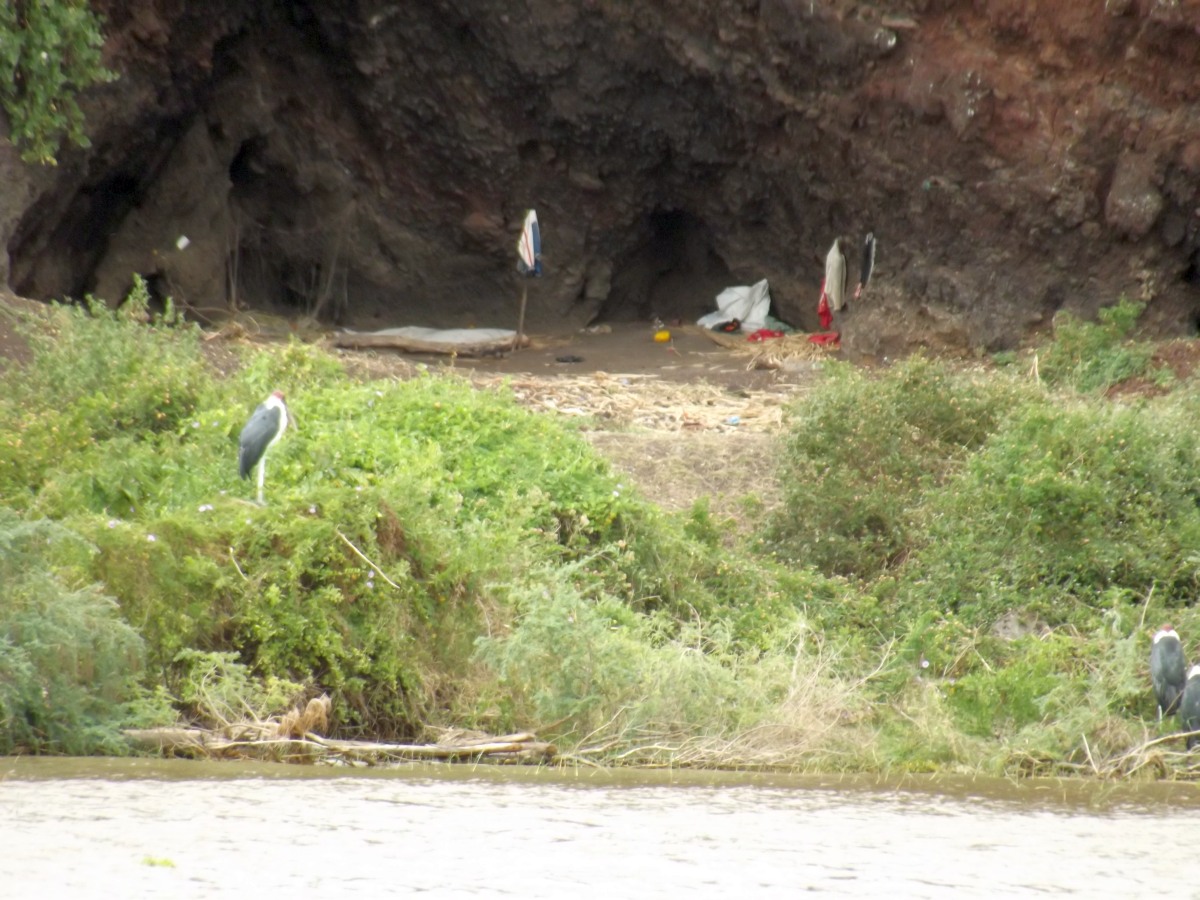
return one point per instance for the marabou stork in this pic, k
(1168, 670)
(265, 426)
(1189, 707)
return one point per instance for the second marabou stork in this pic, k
(265, 426)
(1168, 670)
(1189, 707)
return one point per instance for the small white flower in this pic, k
(312, 510)
(205, 507)
(113, 523)
(151, 538)
(195, 424)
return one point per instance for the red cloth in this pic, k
(823, 311)
(764, 334)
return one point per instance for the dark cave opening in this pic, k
(58, 245)
(61, 263)
(671, 272)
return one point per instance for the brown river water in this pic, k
(101, 828)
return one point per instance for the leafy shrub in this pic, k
(1094, 356)
(96, 375)
(1067, 501)
(575, 665)
(1009, 693)
(69, 664)
(863, 450)
(218, 690)
(562, 662)
(49, 51)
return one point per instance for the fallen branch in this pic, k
(312, 747)
(363, 557)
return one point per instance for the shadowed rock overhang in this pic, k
(370, 163)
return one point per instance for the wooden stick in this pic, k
(521, 315)
(363, 557)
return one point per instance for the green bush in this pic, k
(69, 665)
(863, 450)
(434, 554)
(49, 51)
(1069, 500)
(576, 665)
(217, 690)
(96, 376)
(1010, 691)
(399, 513)
(1094, 356)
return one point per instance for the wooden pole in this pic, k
(521, 315)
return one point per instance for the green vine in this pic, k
(49, 51)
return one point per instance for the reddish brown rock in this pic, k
(372, 163)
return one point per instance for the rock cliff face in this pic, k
(370, 162)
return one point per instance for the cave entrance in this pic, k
(671, 272)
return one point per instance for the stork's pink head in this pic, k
(278, 394)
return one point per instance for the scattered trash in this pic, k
(728, 327)
(764, 334)
(734, 420)
(569, 358)
(662, 336)
(596, 329)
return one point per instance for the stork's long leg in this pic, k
(262, 476)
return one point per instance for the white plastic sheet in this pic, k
(749, 305)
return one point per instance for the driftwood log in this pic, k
(199, 742)
(412, 340)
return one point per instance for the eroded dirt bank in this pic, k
(370, 163)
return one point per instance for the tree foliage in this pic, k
(49, 51)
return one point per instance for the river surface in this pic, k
(182, 829)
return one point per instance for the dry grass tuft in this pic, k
(313, 719)
(817, 725)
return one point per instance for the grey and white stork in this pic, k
(1168, 670)
(265, 426)
(1189, 707)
